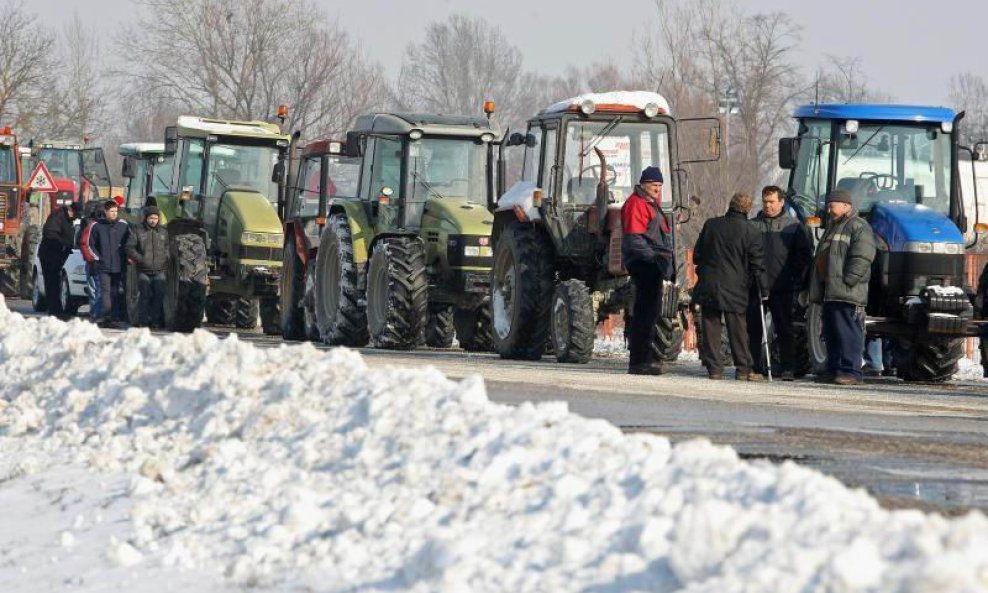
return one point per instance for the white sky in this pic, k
(909, 48)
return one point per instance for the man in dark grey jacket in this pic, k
(788, 252)
(147, 249)
(841, 272)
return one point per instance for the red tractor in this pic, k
(12, 212)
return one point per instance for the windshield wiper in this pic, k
(221, 180)
(870, 138)
(427, 185)
(600, 135)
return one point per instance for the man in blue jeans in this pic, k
(841, 274)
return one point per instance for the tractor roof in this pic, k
(428, 124)
(141, 148)
(59, 144)
(200, 127)
(612, 102)
(876, 112)
(323, 146)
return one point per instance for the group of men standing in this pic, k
(108, 244)
(747, 267)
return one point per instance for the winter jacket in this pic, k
(58, 234)
(646, 235)
(728, 258)
(842, 266)
(107, 241)
(788, 252)
(148, 247)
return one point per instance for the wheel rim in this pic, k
(64, 297)
(503, 296)
(814, 330)
(560, 325)
(377, 293)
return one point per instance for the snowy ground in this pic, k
(195, 463)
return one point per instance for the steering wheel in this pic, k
(882, 181)
(595, 173)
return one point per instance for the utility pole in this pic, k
(728, 105)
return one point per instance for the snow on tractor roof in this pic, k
(613, 101)
(139, 148)
(222, 127)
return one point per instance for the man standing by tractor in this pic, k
(841, 273)
(107, 242)
(982, 308)
(57, 241)
(788, 252)
(147, 249)
(646, 248)
(728, 258)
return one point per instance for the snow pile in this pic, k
(290, 468)
(969, 370)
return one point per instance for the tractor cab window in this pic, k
(549, 162)
(627, 148)
(385, 168)
(135, 185)
(905, 164)
(241, 167)
(94, 167)
(448, 168)
(62, 163)
(192, 166)
(162, 174)
(530, 166)
(810, 176)
(343, 175)
(8, 165)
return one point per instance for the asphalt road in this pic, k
(914, 446)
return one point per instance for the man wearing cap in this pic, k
(57, 241)
(841, 272)
(728, 258)
(147, 249)
(646, 248)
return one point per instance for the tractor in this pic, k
(221, 210)
(557, 233)
(900, 164)
(12, 214)
(388, 237)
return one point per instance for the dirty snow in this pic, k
(134, 462)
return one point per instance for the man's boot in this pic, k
(650, 368)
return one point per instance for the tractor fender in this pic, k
(361, 231)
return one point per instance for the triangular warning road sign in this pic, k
(41, 180)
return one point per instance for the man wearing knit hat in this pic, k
(147, 249)
(840, 276)
(646, 249)
(728, 258)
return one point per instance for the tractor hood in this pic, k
(899, 224)
(463, 216)
(253, 212)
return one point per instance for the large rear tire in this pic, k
(572, 328)
(474, 328)
(221, 310)
(292, 317)
(439, 327)
(521, 292)
(928, 362)
(246, 314)
(340, 301)
(133, 297)
(397, 293)
(186, 283)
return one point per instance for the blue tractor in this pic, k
(900, 164)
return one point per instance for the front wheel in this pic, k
(185, 283)
(439, 327)
(933, 361)
(572, 322)
(521, 293)
(397, 293)
(340, 303)
(817, 346)
(247, 312)
(668, 341)
(133, 297)
(474, 328)
(292, 318)
(37, 299)
(270, 315)
(70, 305)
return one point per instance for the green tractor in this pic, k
(387, 236)
(221, 207)
(558, 267)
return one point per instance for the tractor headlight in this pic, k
(266, 239)
(477, 251)
(948, 248)
(919, 247)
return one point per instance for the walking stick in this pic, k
(768, 354)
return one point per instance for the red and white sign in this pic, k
(41, 180)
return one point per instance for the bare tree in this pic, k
(969, 92)
(26, 63)
(843, 80)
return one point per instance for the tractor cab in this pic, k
(79, 173)
(12, 212)
(147, 171)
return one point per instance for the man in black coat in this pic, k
(57, 241)
(107, 242)
(728, 258)
(788, 251)
(147, 249)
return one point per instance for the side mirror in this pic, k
(278, 172)
(981, 151)
(516, 139)
(353, 144)
(531, 141)
(171, 140)
(128, 167)
(788, 152)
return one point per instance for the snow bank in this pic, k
(294, 469)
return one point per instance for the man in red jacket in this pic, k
(646, 248)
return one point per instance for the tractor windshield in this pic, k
(448, 168)
(627, 147)
(62, 163)
(8, 165)
(895, 163)
(242, 167)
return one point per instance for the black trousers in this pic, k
(111, 284)
(779, 304)
(51, 267)
(648, 287)
(151, 288)
(843, 330)
(737, 335)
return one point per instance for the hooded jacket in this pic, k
(842, 266)
(728, 258)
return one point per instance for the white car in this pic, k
(73, 291)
